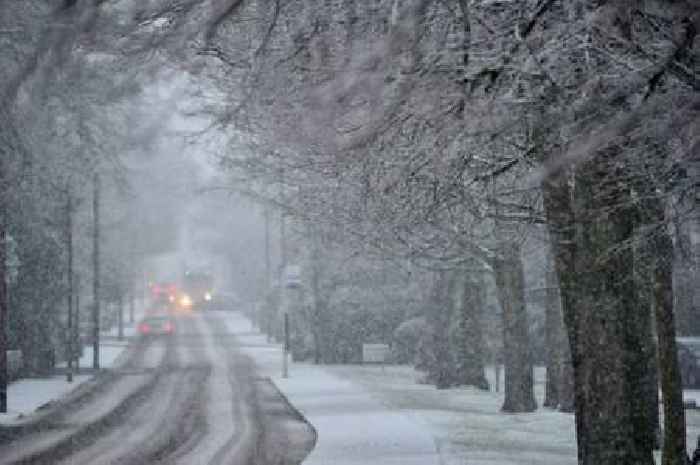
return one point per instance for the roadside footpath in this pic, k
(382, 415)
(375, 415)
(353, 426)
(28, 395)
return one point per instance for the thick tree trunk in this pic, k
(559, 389)
(599, 303)
(318, 323)
(510, 281)
(567, 392)
(561, 221)
(440, 372)
(648, 395)
(674, 450)
(642, 368)
(470, 363)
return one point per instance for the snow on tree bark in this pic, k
(469, 352)
(510, 281)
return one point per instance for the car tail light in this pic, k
(144, 328)
(169, 327)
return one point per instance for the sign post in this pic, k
(375, 353)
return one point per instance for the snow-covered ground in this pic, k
(24, 396)
(354, 427)
(27, 395)
(382, 415)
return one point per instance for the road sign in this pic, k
(375, 353)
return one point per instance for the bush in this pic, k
(407, 340)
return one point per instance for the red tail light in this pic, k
(169, 327)
(144, 328)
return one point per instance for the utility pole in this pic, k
(262, 319)
(96, 273)
(69, 239)
(267, 248)
(285, 351)
(76, 324)
(283, 247)
(132, 304)
(283, 287)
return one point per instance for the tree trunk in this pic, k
(566, 380)
(510, 281)
(642, 366)
(674, 450)
(470, 363)
(648, 403)
(3, 315)
(559, 389)
(69, 272)
(318, 313)
(599, 303)
(440, 372)
(554, 326)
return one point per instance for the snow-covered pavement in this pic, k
(353, 426)
(27, 395)
(370, 414)
(377, 415)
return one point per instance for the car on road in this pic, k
(156, 325)
(689, 361)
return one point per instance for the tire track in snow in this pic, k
(227, 421)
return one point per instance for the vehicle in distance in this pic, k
(156, 325)
(198, 289)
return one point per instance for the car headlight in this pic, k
(207, 296)
(185, 301)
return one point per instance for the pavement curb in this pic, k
(296, 413)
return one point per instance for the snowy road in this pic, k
(189, 399)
